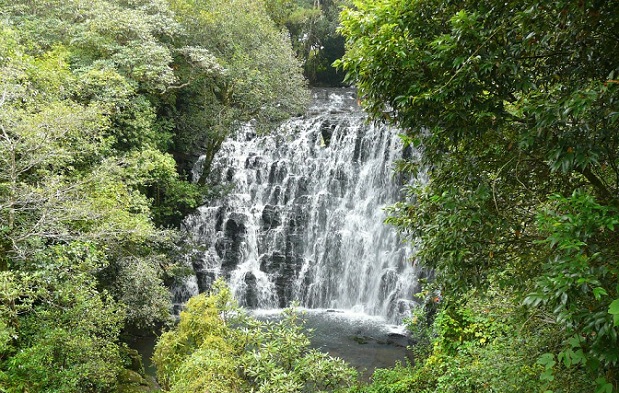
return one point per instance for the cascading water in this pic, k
(303, 219)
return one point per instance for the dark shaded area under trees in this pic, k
(312, 26)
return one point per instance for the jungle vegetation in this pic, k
(106, 104)
(102, 105)
(515, 106)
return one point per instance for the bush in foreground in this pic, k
(217, 347)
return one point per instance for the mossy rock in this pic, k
(360, 339)
(134, 360)
(131, 382)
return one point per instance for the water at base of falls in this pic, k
(303, 220)
(365, 342)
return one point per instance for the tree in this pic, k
(233, 67)
(94, 95)
(312, 26)
(515, 108)
(68, 216)
(67, 336)
(217, 347)
(122, 62)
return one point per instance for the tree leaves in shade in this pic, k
(515, 108)
(67, 217)
(233, 67)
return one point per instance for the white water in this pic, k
(304, 218)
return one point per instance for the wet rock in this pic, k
(326, 131)
(388, 282)
(278, 172)
(271, 217)
(205, 279)
(362, 339)
(357, 150)
(219, 222)
(298, 218)
(282, 268)
(397, 339)
(251, 297)
(275, 196)
(302, 190)
(229, 247)
(130, 381)
(230, 174)
(235, 226)
(134, 360)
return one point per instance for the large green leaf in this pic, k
(614, 310)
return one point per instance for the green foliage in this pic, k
(204, 323)
(312, 26)
(483, 344)
(66, 337)
(108, 41)
(515, 108)
(217, 347)
(95, 99)
(277, 358)
(233, 66)
(576, 280)
(68, 214)
(137, 285)
(613, 309)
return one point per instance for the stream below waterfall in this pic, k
(303, 222)
(365, 342)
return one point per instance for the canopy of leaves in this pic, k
(515, 106)
(312, 26)
(90, 93)
(232, 66)
(67, 216)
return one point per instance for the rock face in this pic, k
(304, 218)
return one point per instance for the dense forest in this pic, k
(105, 105)
(515, 105)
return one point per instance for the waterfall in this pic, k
(303, 216)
